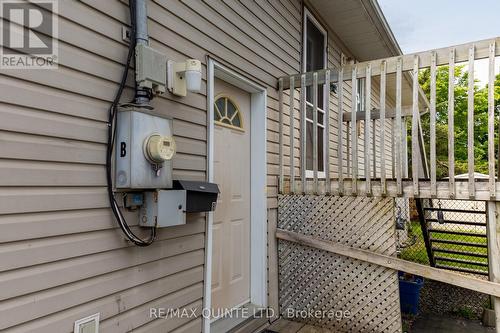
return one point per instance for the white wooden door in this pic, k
(231, 223)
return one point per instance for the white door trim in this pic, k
(258, 173)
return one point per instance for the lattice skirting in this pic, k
(349, 295)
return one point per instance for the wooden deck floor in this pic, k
(288, 326)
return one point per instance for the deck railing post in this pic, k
(491, 120)
(399, 130)
(354, 132)
(280, 134)
(470, 123)
(415, 150)
(303, 136)
(451, 123)
(326, 130)
(292, 137)
(432, 117)
(383, 84)
(368, 106)
(340, 147)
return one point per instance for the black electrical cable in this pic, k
(111, 139)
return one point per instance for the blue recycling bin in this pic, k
(409, 293)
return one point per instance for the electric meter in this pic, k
(159, 148)
(144, 151)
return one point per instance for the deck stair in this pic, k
(457, 241)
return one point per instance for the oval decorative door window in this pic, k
(227, 113)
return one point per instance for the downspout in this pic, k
(141, 38)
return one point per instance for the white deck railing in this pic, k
(390, 178)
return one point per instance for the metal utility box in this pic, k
(151, 68)
(200, 196)
(133, 170)
(163, 208)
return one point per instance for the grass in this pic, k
(418, 253)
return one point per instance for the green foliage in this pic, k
(460, 119)
(465, 312)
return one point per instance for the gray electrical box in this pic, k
(151, 68)
(133, 169)
(163, 208)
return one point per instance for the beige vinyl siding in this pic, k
(62, 256)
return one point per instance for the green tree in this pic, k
(460, 118)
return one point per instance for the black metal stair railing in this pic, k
(455, 236)
(425, 231)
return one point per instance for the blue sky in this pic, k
(421, 25)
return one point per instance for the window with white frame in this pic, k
(315, 58)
